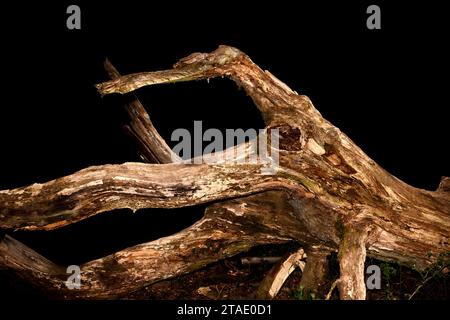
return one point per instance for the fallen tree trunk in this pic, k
(325, 193)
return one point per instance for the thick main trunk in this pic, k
(330, 194)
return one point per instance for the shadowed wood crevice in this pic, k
(331, 195)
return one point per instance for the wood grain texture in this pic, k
(335, 197)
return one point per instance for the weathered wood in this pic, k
(223, 232)
(338, 198)
(276, 277)
(409, 221)
(152, 147)
(352, 254)
(131, 185)
(315, 271)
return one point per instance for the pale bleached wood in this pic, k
(277, 276)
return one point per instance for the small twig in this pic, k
(335, 283)
(219, 292)
(259, 260)
(425, 281)
(274, 280)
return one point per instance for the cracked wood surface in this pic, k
(331, 186)
(221, 233)
(130, 185)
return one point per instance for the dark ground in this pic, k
(229, 279)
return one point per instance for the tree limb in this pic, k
(153, 148)
(131, 185)
(222, 233)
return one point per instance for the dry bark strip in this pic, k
(334, 196)
(274, 280)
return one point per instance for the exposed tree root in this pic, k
(316, 271)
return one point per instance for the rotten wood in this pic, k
(153, 148)
(315, 271)
(276, 277)
(221, 233)
(335, 197)
(131, 185)
(352, 255)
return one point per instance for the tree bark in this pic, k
(275, 278)
(326, 193)
(315, 272)
(352, 254)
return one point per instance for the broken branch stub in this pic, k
(276, 276)
(325, 193)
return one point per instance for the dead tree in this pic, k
(326, 194)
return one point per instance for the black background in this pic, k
(386, 89)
